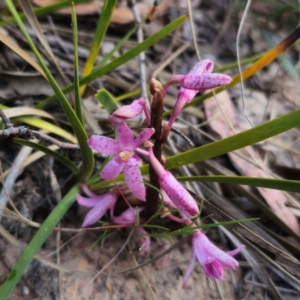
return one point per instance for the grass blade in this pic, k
(76, 66)
(277, 184)
(104, 20)
(62, 159)
(107, 100)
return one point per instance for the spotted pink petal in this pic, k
(126, 137)
(202, 67)
(113, 168)
(179, 195)
(167, 199)
(143, 137)
(128, 111)
(204, 81)
(104, 145)
(133, 177)
(184, 96)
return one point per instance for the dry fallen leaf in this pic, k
(276, 199)
(121, 15)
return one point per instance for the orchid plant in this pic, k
(124, 150)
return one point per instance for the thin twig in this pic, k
(5, 120)
(24, 131)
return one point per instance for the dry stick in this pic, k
(152, 195)
(12, 176)
(24, 131)
(141, 56)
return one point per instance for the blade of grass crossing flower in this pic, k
(107, 100)
(76, 68)
(63, 159)
(258, 65)
(36, 243)
(277, 184)
(100, 71)
(46, 9)
(104, 20)
(237, 141)
(86, 152)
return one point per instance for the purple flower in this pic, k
(210, 257)
(123, 156)
(100, 204)
(198, 79)
(174, 190)
(128, 111)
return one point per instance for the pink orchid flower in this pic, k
(174, 190)
(129, 217)
(123, 156)
(100, 204)
(210, 257)
(198, 79)
(129, 111)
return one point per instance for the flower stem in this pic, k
(152, 195)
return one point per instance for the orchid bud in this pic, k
(175, 191)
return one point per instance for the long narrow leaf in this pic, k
(277, 184)
(237, 141)
(107, 11)
(36, 243)
(86, 152)
(76, 67)
(98, 72)
(63, 159)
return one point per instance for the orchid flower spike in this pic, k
(129, 111)
(123, 156)
(175, 191)
(210, 257)
(198, 79)
(100, 204)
